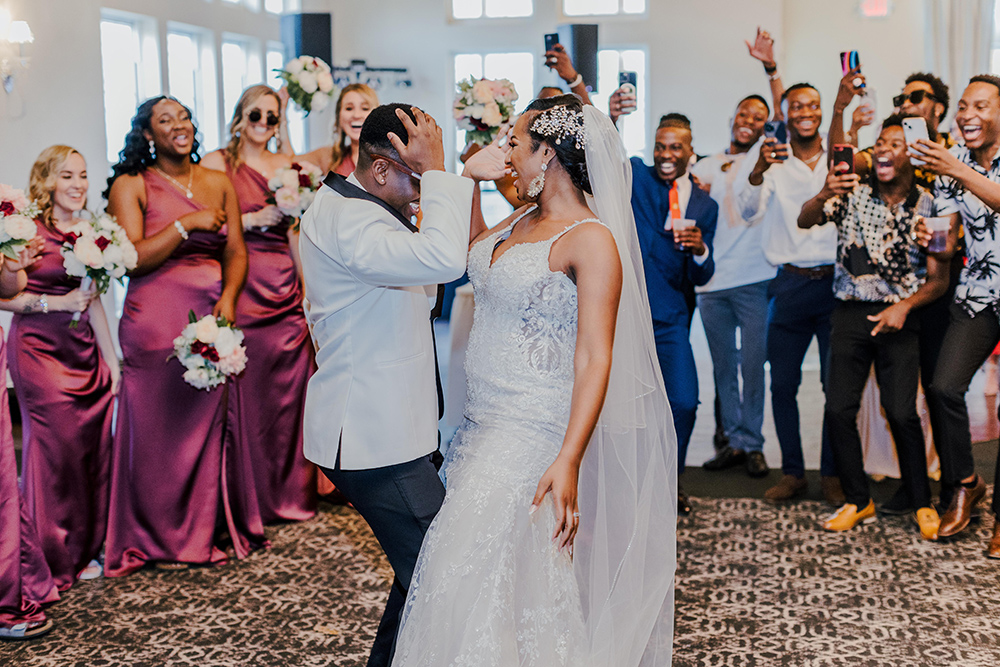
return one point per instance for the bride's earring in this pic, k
(538, 182)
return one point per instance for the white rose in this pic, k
(492, 115)
(130, 258)
(225, 342)
(475, 111)
(118, 271)
(113, 255)
(294, 66)
(20, 227)
(107, 222)
(197, 378)
(325, 81)
(307, 82)
(190, 332)
(206, 330)
(482, 92)
(290, 179)
(320, 101)
(74, 267)
(88, 253)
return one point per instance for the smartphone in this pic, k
(776, 129)
(626, 82)
(913, 129)
(843, 158)
(849, 60)
(551, 39)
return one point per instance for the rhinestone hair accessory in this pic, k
(561, 123)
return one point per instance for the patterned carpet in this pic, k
(757, 585)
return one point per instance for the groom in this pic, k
(372, 406)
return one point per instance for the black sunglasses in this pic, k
(917, 96)
(255, 116)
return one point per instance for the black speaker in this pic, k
(308, 35)
(580, 40)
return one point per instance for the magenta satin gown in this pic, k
(175, 476)
(280, 360)
(64, 390)
(25, 580)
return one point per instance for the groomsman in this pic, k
(675, 222)
(372, 406)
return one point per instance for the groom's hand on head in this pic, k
(424, 151)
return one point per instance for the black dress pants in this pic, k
(897, 366)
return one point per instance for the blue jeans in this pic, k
(722, 312)
(800, 309)
(680, 377)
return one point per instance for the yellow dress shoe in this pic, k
(849, 516)
(929, 521)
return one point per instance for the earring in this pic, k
(538, 182)
(152, 148)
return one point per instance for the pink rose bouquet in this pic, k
(97, 251)
(211, 350)
(482, 106)
(17, 220)
(295, 188)
(309, 81)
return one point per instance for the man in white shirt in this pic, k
(372, 406)
(736, 296)
(782, 180)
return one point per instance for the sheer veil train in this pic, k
(625, 553)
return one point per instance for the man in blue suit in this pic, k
(675, 221)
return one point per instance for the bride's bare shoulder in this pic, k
(489, 231)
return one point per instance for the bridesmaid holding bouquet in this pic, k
(65, 378)
(273, 386)
(175, 476)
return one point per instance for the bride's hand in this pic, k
(561, 479)
(489, 163)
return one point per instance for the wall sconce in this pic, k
(20, 34)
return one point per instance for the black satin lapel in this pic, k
(341, 185)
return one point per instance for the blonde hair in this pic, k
(42, 182)
(340, 149)
(236, 125)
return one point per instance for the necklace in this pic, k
(185, 188)
(813, 159)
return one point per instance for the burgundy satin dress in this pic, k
(64, 390)
(174, 476)
(272, 389)
(25, 580)
(346, 166)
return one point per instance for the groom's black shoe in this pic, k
(726, 458)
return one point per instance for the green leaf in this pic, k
(192, 318)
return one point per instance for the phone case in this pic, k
(776, 129)
(849, 60)
(551, 39)
(913, 129)
(844, 154)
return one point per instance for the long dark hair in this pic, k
(135, 157)
(573, 159)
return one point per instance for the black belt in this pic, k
(813, 272)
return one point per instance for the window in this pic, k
(274, 6)
(995, 51)
(520, 69)
(241, 67)
(191, 79)
(130, 66)
(594, 7)
(275, 60)
(609, 63)
(475, 9)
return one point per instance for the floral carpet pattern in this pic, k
(756, 585)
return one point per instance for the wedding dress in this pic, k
(491, 588)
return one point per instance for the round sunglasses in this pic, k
(255, 116)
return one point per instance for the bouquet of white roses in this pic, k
(482, 106)
(295, 188)
(211, 350)
(97, 250)
(309, 81)
(17, 220)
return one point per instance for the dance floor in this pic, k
(756, 585)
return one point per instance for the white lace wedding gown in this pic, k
(490, 587)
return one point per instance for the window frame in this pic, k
(483, 16)
(207, 109)
(619, 14)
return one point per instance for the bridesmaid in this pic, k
(272, 388)
(26, 583)
(65, 379)
(174, 478)
(354, 104)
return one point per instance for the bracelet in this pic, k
(576, 82)
(773, 76)
(180, 229)
(44, 303)
(772, 69)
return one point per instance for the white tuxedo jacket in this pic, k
(369, 282)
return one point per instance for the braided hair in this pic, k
(135, 157)
(570, 153)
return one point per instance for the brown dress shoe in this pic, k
(833, 494)
(787, 488)
(994, 550)
(956, 519)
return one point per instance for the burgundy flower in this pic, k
(6, 208)
(197, 347)
(304, 180)
(71, 238)
(211, 354)
(102, 242)
(296, 166)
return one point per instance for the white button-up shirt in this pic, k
(785, 189)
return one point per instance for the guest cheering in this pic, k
(269, 311)
(174, 479)
(65, 379)
(354, 104)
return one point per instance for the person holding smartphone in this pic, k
(558, 60)
(882, 279)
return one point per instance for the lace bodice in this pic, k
(523, 338)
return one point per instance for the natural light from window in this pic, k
(603, 7)
(475, 9)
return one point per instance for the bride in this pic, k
(564, 394)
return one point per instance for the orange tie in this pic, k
(675, 204)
